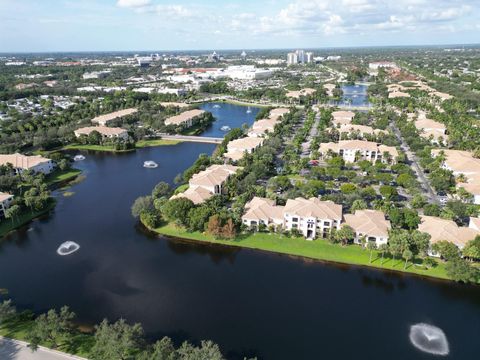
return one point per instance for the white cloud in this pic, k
(133, 3)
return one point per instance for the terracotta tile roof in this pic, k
(183, 117)
(443, 229)
(107, 131)
(263, 209)
(313, 207)
(213, 175)
(103, 119)
(20, 161)
(368, 222)
(5, 196)
(196, 194)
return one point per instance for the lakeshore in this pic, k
(320, 250)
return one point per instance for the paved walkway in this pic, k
(18, 350)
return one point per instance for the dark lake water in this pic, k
(230, 115)
(251, 303)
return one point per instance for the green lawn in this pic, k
(6, 225)
(60, 177)
(181, 189)
(107, 148)
(156, 142)
(318, 250)
(77, 343)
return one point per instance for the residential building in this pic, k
(463, 163)
(21, 163)
(237, 148)
(185, 119)
(261, 211)
(447, 230)
(398, 94)
(313, 218)
(106, 132)
(302, 92)
(432, 130)
(382, 65)
(342, 117)
(309, 57)
(329, 88)
(369, 224)
(5, 201)
(103, 120)
(292, 58)
(356, 150)
(360, 130)
(208, 183)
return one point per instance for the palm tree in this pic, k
(12, 212)
(407, 255)
(383, 248)
(372, 245)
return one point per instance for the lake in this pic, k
(230, 115)
(355, 95)
(251, 303)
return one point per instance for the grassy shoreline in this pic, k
(318, 250)
(7, 225)
(104, 148)
(78, 343)
(156, 142)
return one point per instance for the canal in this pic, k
(251, 303)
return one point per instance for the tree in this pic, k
(344, 235)
(94, 138)
(446, 249)
(460, 270)
(407, 255)
(143, 204)
(198, 217)
(405, 180)
(207, 351)
(388, 192)
(358, 204)
(418, 201)
(383, 248)
(116, 341)
(228, 230)
(432, 210)
(411, 219)
(214, 226)
(177, 210)
(348, 188)
(162, 189)
(371, 245)
(162, 350)
(50, 328)
(472, 249)
(12, 212)
(7, 310)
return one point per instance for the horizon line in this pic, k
(242, 49)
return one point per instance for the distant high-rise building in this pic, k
(301, 56)
(292, 58)
(243, 55)
(309, 57)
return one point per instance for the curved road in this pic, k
(18, 350)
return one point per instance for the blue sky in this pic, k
(60, 25)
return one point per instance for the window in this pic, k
(294, 226)
(294, 219)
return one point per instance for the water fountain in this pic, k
(150, 164)
(429, 339)
(67, 248)
(79, 157)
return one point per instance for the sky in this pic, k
(136, 25)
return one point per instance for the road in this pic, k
(18, 350)
(306, 146)
(412, 159)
